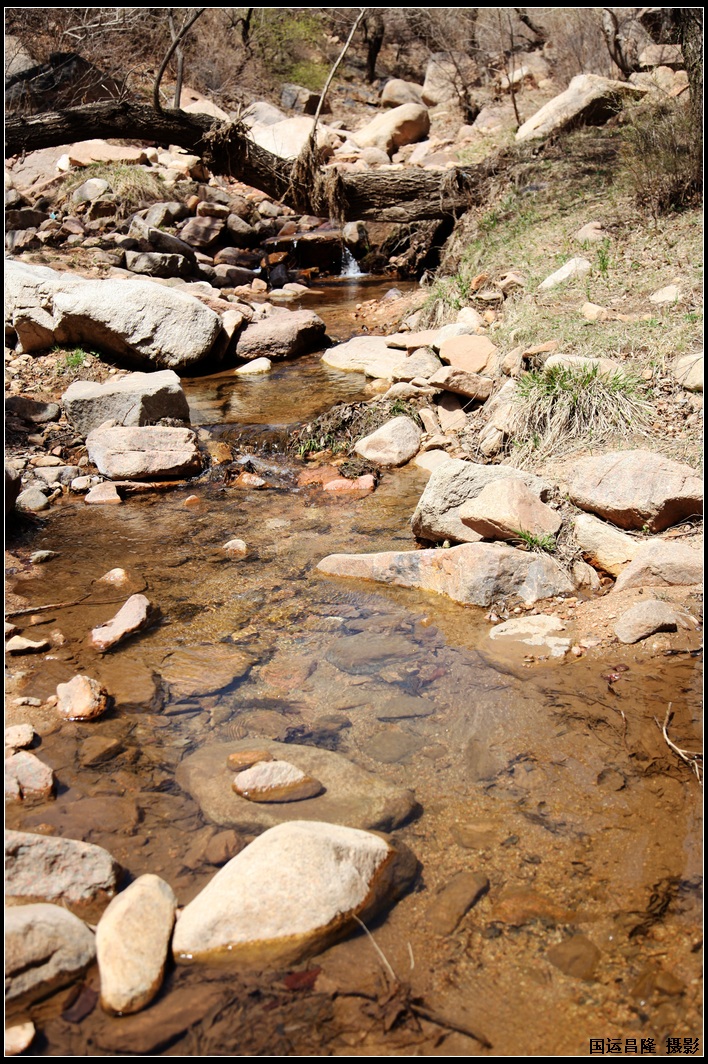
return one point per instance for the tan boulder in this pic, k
(507, 507)
(588, 100)
(391, 129)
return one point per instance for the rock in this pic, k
(236, 548)
(471, 354)
(366, 652)
(634, 489)
(44, 868)
(603, 367)
(480, 835)
(588, 100)
(18, 1038)
(46, 948)
(289, 136)
(450, 413)
(471, 385)
(392, 129)
(168, 1017)
(193, 671)
(533, 631)
(250, 913)
(136, 399)
(32, 410)
(58, 474)
(431, 460)
(258, 365)
(655, 55)
(18, 644)
(594, 312)
(662, 563)
(145, 324)
(688, 371)
(287, 334)
(27, 778)
(507, 507)
(422, 363)
(298, 98)
(405, 707)
(102, 494)
(135, 615)
(604, 546)
(577, 267)
(132, 942)
(442, 75)
(157, 264)
(454, 900)
(31, 500)
(646, 618)
(576, 956)
(393, 444)
(472, 573)
(87, 152)
(81, 699)
(18, 737)
(243, 759)
(392, 746)
(144, 453)
(13, 486)
(366, 354)
(275, 781)
(397, 92)
(671, 293)
(437, 515)
(202, 232)
(351, 796)
(591, 232)
(359, 486)
(520, 905)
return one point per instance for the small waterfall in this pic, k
(350, 267)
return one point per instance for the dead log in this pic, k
(408, 195)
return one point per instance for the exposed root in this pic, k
(693, 760)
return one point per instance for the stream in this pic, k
(540, 776)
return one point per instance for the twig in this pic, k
(434, 1017)
(380, 952)
(332, 72)
(41, 609)
(172, 49)
(694, 760)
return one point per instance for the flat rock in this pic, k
(136, 399)
(370, 355)
(144, 453)
(45, 868)
(539, 631)
(645, 619)
(19, 644)
(193, 671)
(105, 494)
(405, 707)
(461, 382)
(450, 413)
(421, 363)
(257, 365)
(634, 489)
(507, 507)
(437, 514)
(365, 653)
(82, 698)
(132, 943)
(275, 781)
(250, 913)
(471, 573)
(574, 268)
(352, 796)
(392, 746)
(469, 353)
(393, 444)
(137, 613)
(455, 900)
(171, 1015)
(46, 948)
(662, 563)
(286, 334)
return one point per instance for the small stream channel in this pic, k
(538, 776)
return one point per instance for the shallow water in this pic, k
(555, 785)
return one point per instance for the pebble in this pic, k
(114, 576)
(236, 548)
(577, 956)
(275, 781)
(39, 556)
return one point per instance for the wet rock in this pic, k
(520, 905)
(391, 445)
(588, 100)
(46, 948)
(97, 816)
(575, 268)
(605, 546)
(201, 670)
(392, 746)
(577, 956)
(480, 762)
(475, 836)
(250, 913)
(534, 631)
(275, 781)
(507, 507)
(662, 563)
(97, 750)
(45, 868)
(406, 124)
(437, 514)
(455, 900)
(27, 778)
(472, 573)
(287, 334)
(646, 618)
(403, 707)
(288, 671)
(31, 500)
(243, 759)
(257, 365)
(366, 354)
(359, 486)
(132, 942)
(352, 796)
(18, 644)
(146, 324)
(18, 1038)
(135, 615)
(365, 653)
(634, 489)
(82, 699)
(144, 453)
(136, 399)
(18, 737)
(168, 1017)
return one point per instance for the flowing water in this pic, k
(543, 777)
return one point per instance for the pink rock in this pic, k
(27, 777)
(136, 614)
(362, 485)
(81, 699)
(102, 493)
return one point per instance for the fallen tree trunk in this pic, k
(382, 195)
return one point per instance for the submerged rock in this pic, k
(251, 914)
(46, 868)
(137, 613)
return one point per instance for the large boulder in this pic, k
(437, 515)
(589, 100)
(138, 399)
(283, 334)
(397, 92)
(392, 129)
(603, 545)
(145, 324)
(144, 453)
(663, 563)
(505, 508)
(637, 489)
(287, 138)
(294, 891)
(367, 354)
(443, 75)
(474, 574)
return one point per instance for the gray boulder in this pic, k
(46, 948)
(144, 453)
(138, 399)
(663, 563)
